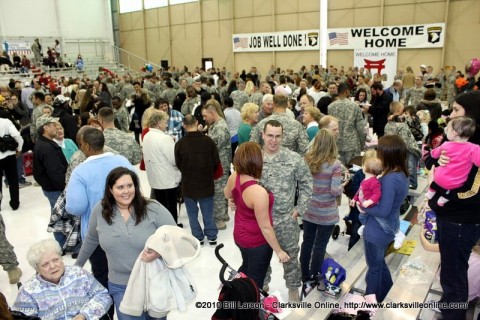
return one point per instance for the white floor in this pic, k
(29, 224)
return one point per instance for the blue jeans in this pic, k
(378, 278)
(315, 240)
(255, 262)
(412, 169)
(456, 241)
(117, 291)
(206, 205)
(52, 197)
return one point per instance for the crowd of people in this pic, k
(290, 137)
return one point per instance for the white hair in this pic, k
(267, 97)
(39, 249)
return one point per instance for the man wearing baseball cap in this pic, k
(49, 164)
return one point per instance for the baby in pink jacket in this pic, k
(463, 155)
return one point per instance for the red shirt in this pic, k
(246, 231)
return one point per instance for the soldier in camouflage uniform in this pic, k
(351, 139)
(450, 83)
(403, 130)
(122, 118)
(239, 96)
(415, 94)
(169, 93)
(127, 89)
(118, 140)
(282, 170)
(193, 100)
(183, 86)
(8, 258)
(295, 136)
(257, 97)
(218, 131)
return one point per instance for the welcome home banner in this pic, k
(378, 60)
(276, 41)
(406, 37)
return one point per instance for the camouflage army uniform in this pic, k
(219, 133)
(294, 138)
(351, 139)
(222, 91)
(124, 144)
(189, 104)
(8, 258)
(150, 87)
(239, 99)
(451, 92)
(257, 98)
(169, 94)
(112, 89)
(280, 175)
(78, 158)
(36, 113)
(402, 129)
(122, 118)
(414, 95)
(126, 91)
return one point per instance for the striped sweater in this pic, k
(327, 186)
(77, 293)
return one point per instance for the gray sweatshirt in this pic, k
(122, 241)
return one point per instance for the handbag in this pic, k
(8, 143)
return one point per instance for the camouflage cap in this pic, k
(43, 120)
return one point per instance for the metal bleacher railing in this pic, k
(95, 53)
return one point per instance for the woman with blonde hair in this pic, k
(249, 113)
(322, 213)
(249, 87)
(159, 156)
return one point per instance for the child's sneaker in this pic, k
(398, 241)
(360, 231)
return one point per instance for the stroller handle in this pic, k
(224, 265)
(217, 254)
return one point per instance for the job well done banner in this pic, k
(276, 41)
(400, 37)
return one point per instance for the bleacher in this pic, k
(402, 291)
(91, 65)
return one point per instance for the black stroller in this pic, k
(240, 297)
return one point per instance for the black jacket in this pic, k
(379, 111)
(196, 156)
(49, 165)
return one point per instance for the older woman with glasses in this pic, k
(58, 291)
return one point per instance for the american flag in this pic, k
(240, 42)
(340, 38)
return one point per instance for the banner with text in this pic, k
(21, 47)
(276, 41)
(378, 60)
(406, 37)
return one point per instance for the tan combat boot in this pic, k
(14, 275)
(293, 295)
